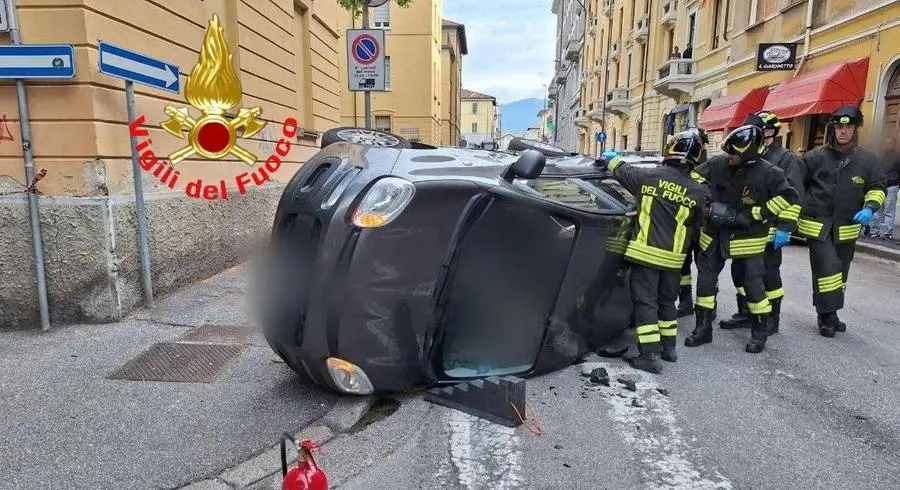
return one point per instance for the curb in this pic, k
(345, 413)
(879, 251)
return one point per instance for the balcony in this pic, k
(642, 29)
(629, 39)
(618, 101)
(581, 118)
(573, 49)
(607, 8)
(596, 111)
(616, 52)
(669, 14)
(598, 67)
(561, 75)
(592, 29)
(676, 77)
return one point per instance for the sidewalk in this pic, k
(885, 249)
(66, 422)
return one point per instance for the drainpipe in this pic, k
(605, 90)
(806, 36)
(640, 136)
(25, 126)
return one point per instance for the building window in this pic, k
(641, 75)
(474, 127)
(474, 107)
(383, 16)
(303, 56)
(754, 7)
(383, 123)
(624, 141)
(628, 75)
(387, 72)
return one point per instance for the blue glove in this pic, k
(782, 238)
(864, 216)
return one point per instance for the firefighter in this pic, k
(685, 298)
(670, 204)
(843, 186)
(747, 192)
(787, 161)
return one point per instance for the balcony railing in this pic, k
(669, 13)
(573, 49)
(616, 52)
(618, 101)
(592, 29)
(676, 76)
(607, 7)
(642, 29)
(596, 112)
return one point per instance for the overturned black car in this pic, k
(396, 268)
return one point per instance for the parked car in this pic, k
(396, 268)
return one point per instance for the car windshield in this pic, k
(587, 194)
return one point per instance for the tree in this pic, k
(355, 6)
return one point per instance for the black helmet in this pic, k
(765, 120)
(745, 142)
(686, 147)
(847, 115)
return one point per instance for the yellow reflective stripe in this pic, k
(760, 308)
(808, 227)
(644, 220)
(791, 214)
(777, 204)
(686, 280)
(680, 230)
(708, 302)
(747, 246)
(655, 256)
(756, 212)
(771, 236)
(849, 232)
(613, 164)
(649, 339)
(775, 293)
(668, 328)
(697, 177)
(830, 283)
(649, 328)
(875, 195)
(705, 240)
(740, 290)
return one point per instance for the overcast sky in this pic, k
(511, 46)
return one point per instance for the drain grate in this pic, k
(187, 363)
(218, 334)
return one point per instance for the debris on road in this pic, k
(637, 403)
(663, 391)
(557, 446)
(600, 376)
(627, 383)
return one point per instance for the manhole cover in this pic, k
(218, 334)
(190, 363)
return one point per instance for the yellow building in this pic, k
(479, 118)
(844, 56)
(410, 106)
(453, 47)
(283, 53)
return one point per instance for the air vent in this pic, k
(313, 180)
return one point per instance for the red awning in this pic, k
(820, 91)
(730, 111)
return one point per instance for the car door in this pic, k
(527, 259)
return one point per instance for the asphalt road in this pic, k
(64, 423)
(809, 412)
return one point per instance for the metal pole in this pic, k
(25, 126)
(367, 95)
(605, 88)
(139, 199)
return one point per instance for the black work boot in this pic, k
(775, 317)
(647, 361)
(702, 333)
(668, 353)
(741, 319)
(685, 302)
(827, 324)
(759, 325)
(839, 326)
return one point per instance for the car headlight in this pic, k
(349, 377)
(383, 202)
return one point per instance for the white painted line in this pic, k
(485, 454)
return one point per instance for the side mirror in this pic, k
(529, 165)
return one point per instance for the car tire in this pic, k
(363, 136)
(519, 144)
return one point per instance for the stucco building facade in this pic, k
(480, 118)
(565, 89)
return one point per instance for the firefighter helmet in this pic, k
(686, 148)
(847, 115)
(766, 121)
(745, 142)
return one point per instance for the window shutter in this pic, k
(383, 15)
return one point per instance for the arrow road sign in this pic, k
(135, 67)
(37, 61)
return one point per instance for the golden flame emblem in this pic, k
(213, 87)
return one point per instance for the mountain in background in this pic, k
(516, 117)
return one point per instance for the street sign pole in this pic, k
(367, 95)
(139, 197)
(135, 67)
(25, 125)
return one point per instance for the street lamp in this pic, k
(544, 111)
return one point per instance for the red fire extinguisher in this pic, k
(306, 475)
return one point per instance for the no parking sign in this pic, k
(365, 60)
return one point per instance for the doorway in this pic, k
(891, 121)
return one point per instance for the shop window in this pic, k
(383, 123)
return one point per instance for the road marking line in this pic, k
(485, 454)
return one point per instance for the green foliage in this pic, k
(355, 6)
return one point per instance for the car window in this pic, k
(592, 195)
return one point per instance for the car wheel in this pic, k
(519, 144)
(363, 136)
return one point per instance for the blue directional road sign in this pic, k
(135, 67)
(601, 136)
(37, 61)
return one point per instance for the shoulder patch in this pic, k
(697, 177)
(856, 179)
